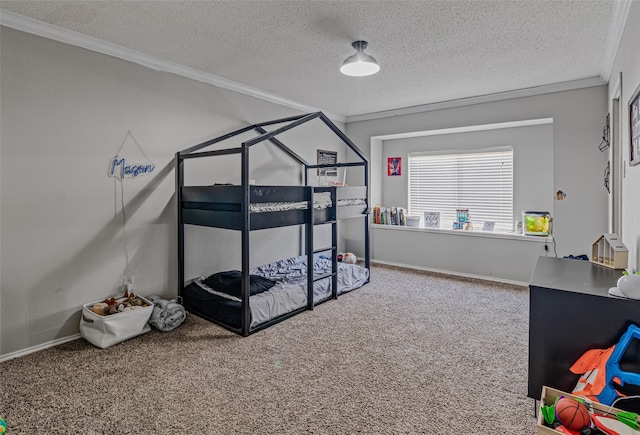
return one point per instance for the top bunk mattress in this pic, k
(220, 206)
(270, 198)
(270, 206)
(320, 201)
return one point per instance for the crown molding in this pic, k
(508, 95)
(614, 36)
(466, 129)
(39, 28)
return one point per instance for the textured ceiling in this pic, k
(429, 51)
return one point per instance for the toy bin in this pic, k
(536, 223)
(105, 331)
(549, 396)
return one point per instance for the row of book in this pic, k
(389, 215)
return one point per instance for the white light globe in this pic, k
(359, 64)
(359, 68)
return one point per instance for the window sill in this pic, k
(465, 233)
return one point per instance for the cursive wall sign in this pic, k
(121, 167)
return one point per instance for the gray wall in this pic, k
(575, 166)
(65, 112)
(627, 62)
(532, 162)
(505, 259)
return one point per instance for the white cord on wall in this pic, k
(124, 234)
(127, 279)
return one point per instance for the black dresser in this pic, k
(571, 312)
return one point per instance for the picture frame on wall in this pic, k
(634, 128)
(394, 166)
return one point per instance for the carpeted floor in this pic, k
(409, 353)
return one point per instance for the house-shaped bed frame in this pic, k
(230, 207)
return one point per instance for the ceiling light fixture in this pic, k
(359, 64)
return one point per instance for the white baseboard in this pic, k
(42, 346)
(59, 341)
(448, 272)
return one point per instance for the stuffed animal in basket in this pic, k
(349, 258)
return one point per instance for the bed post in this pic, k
(179, 183)
(367, 253)
(245, 317)
(334, 242)
(355, 149)
(309, 227)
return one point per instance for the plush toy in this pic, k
(3, 425)
(99, 308)
(349, 258)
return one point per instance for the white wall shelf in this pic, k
(465, 233)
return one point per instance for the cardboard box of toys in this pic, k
(114, 320)
(571, 414)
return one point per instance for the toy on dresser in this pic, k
(628, 286)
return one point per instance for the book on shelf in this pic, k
(389, 215)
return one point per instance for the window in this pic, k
(478, 180)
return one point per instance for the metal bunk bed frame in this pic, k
(243, 150)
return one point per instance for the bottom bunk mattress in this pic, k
(287, 292)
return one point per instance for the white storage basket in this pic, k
(105, 331)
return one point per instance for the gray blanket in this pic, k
(166, 315)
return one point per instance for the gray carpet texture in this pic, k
(409, 353)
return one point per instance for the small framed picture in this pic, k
(394, 166)
(432, 219)
(634, 128)
(327, 158)
(488, 226)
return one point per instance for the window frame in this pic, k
(504, 222)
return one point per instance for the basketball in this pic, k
(572, 414)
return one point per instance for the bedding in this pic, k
(287, 294)
(230, 282)
(318, 204)
(321, 201)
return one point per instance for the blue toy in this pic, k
(613, 371)
(602, 372)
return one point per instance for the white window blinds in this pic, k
(480, 181)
